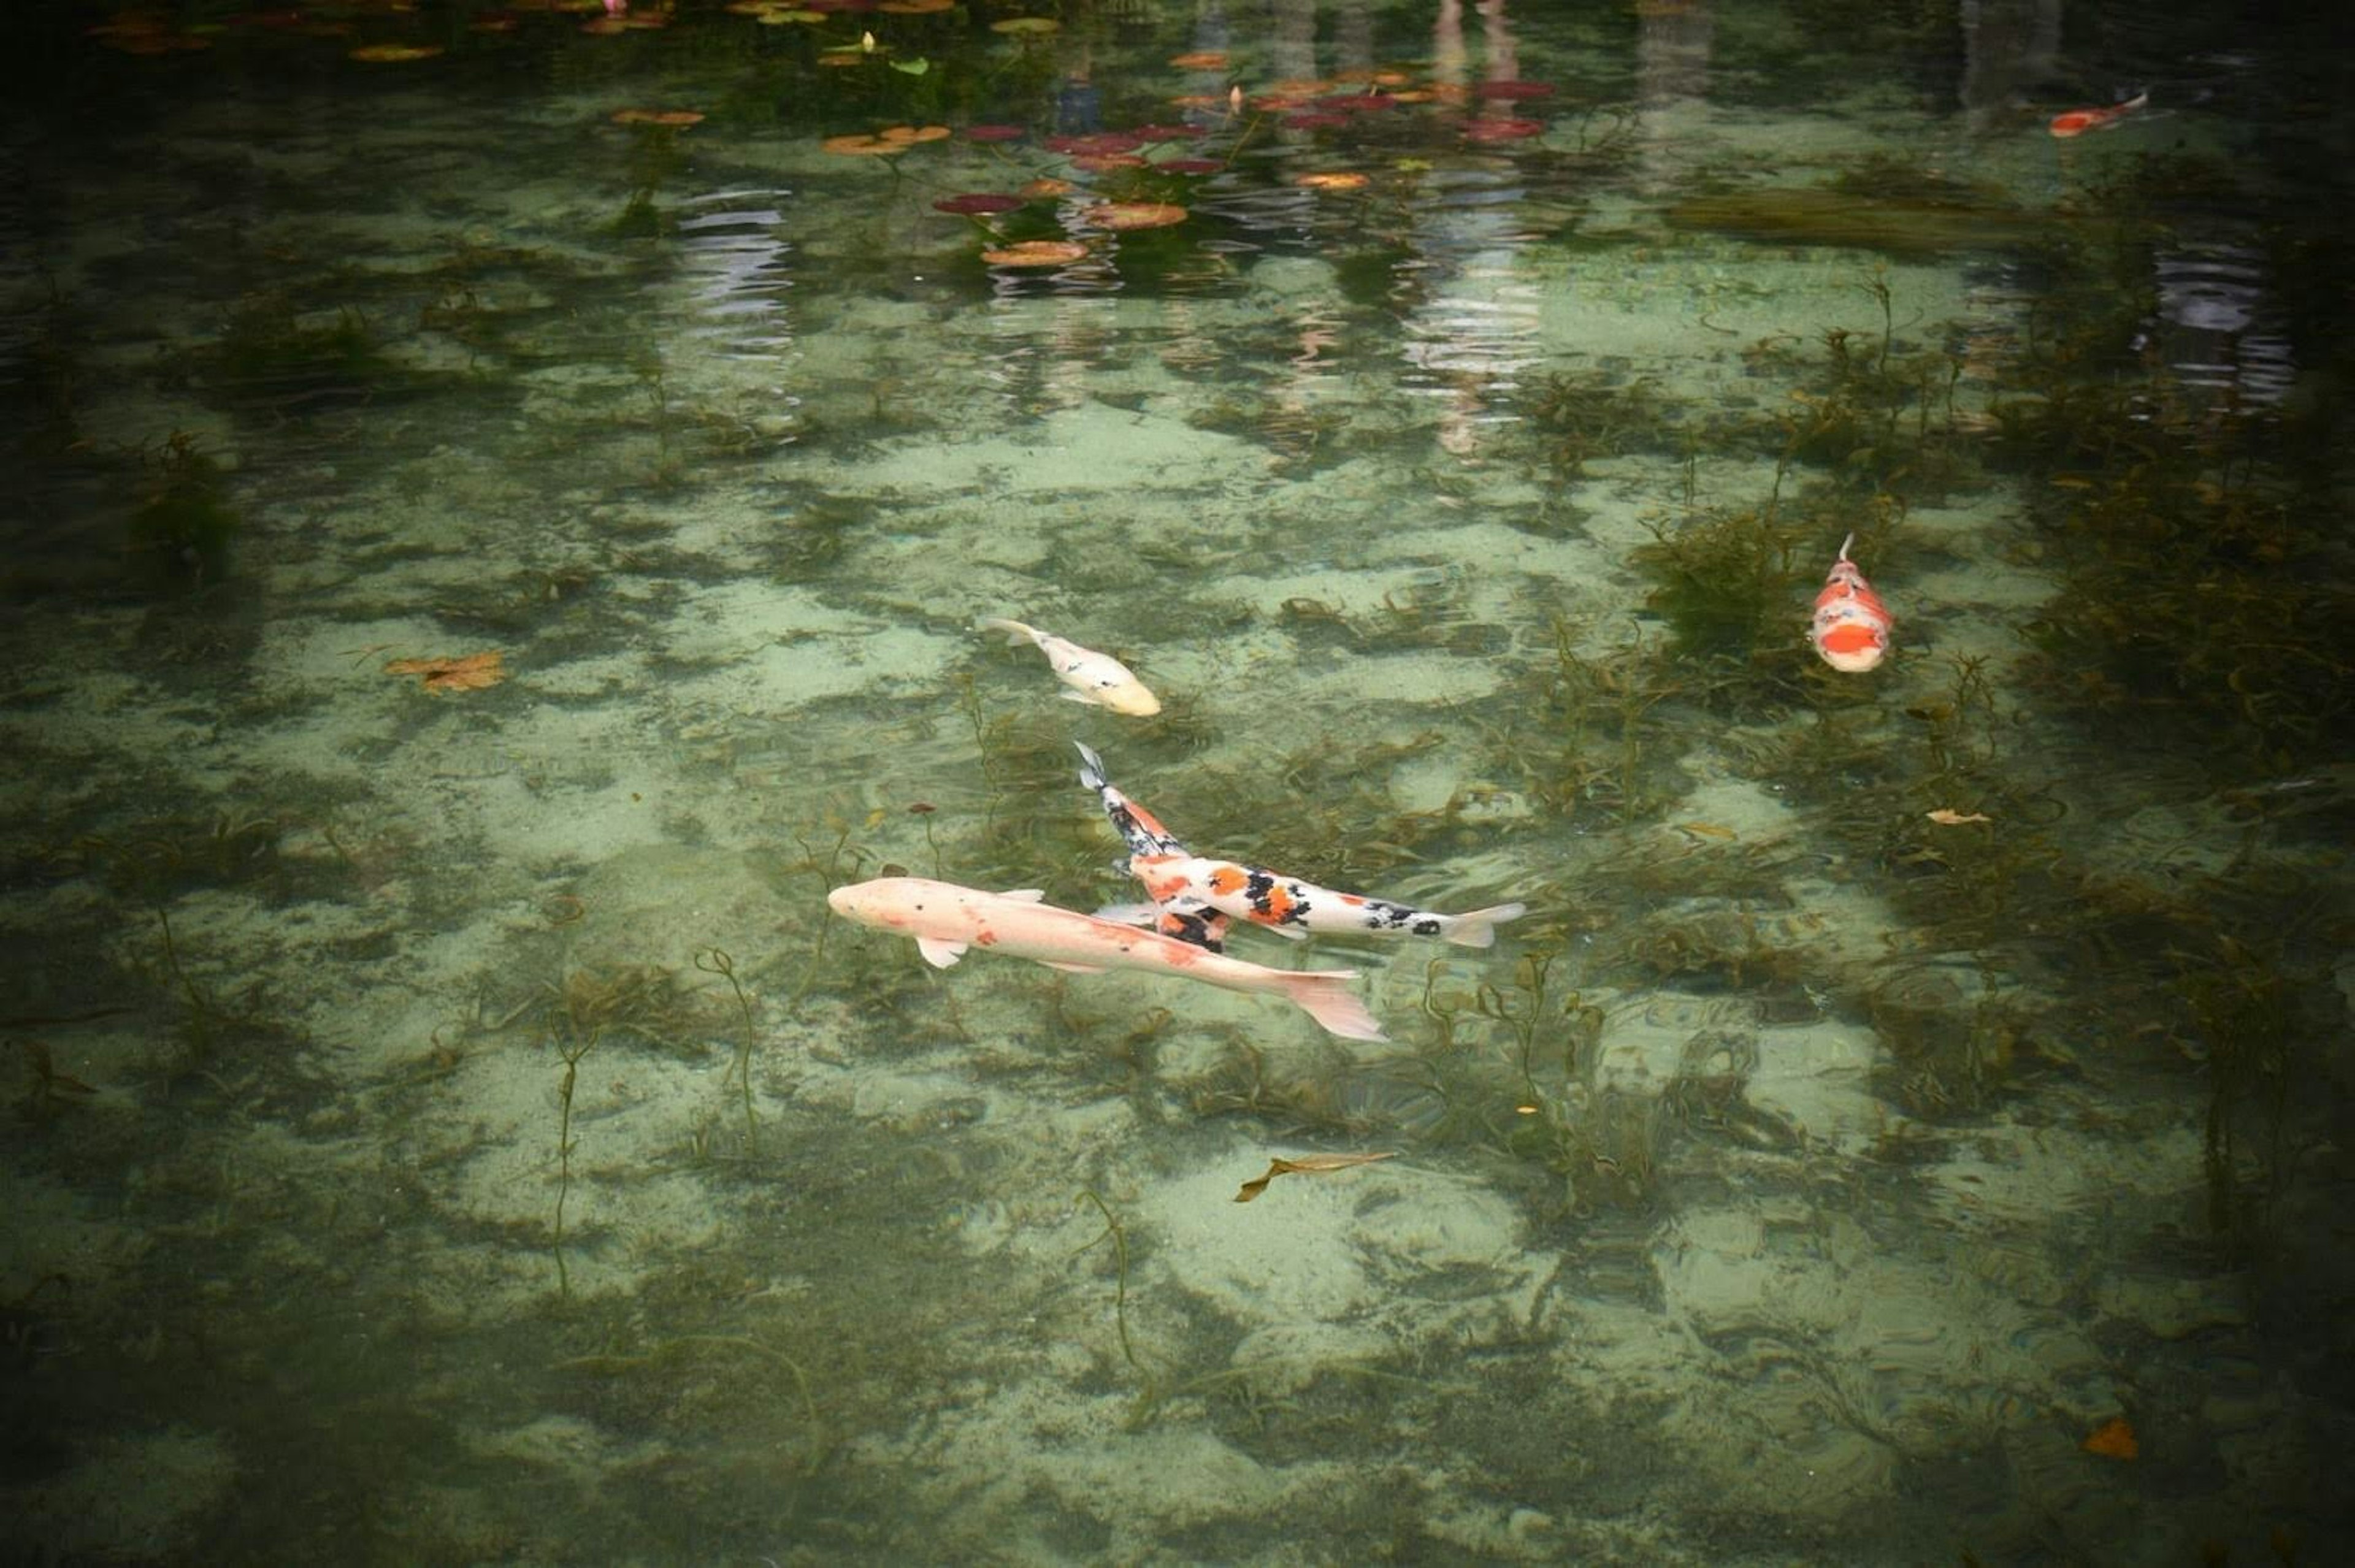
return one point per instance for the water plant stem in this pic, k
(716, 960)
(564, 1153)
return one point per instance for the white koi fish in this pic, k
(946, 919)
(1194, 896)
(1851, 626)
(1088, 675)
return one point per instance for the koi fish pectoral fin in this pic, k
(1131, 914)
(1276, 924)
(1028, 895)
(940, 955)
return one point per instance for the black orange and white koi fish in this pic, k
(2077, 122)
(946, 920)
(1087, 676)
(1194, 897)
(1851, 625)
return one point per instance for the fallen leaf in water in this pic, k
(1708, 830)
(467, 672)
(1307, 1164)
(2114, 1439)
(1946, 817)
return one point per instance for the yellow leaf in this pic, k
(1307, 1164)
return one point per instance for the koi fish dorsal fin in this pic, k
(940, 955)
(1028, 895)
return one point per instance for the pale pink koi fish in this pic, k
(945, 919)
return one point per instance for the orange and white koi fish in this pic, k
(946, 919)
(1852, 625)
(1088, 675)
(2077, 122)
(1194, 897)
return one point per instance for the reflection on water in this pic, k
(505, 506)
(738, 262)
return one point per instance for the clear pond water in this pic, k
(501, 500)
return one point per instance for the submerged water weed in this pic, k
(181, 533)
(2245, 1012)
(572, 1049)
(1576, 416)
(272, 351)
(716, 960)
(1587, 734)
(2206, 618)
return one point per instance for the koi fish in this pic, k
(2077, 122)
(1090, 676)
(1195, 897)
(945, 919)
(1852, 625)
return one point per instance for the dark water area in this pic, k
(501, 505)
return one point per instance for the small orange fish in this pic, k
(1852, 625)
(2077, 122)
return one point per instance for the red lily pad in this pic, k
(978, 201)
(1189, 165)
(1095, 143)
(1166, 132)
(1313, 120)
(1513, 91)
(1502, 130)
(994, 133)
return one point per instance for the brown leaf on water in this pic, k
(1946, 816)
(1307, 1164)
(2114, 1439)
(465, 672)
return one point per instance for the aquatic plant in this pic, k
(181, 533)
(1578, 415)
(1931, 222)
(716, 960)
(571, 1050)
(270, 350)
(48, 1090)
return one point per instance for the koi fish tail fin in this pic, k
(1017, 634)
(1091, 768)
(1478, 929)
(1330, 996)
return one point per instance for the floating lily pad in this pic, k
(1035, 253)
(1502, 130)
(394, 54)
(1123, 217)
(978, 202)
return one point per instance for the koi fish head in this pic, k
(895, 904)
(1129, 697)
(1853, 647)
